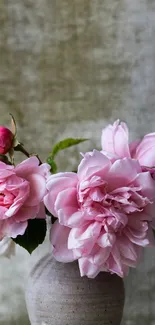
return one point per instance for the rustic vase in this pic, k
(56, 294)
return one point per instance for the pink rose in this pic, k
(115, 141)
(105, 212)
(22, 189)
(6, 139)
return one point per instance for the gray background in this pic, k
(67, 68)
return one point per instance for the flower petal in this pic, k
(56, 184)
(10, 228)
(41, 214)
(93, 163)
(133, 147)
(66, 198)
(106, 240)
(5, 171)
(115, 263)
(147, 184)
(83, 239)
(60, 181)
(25, 213)
(99, 256)
(59, 238)
(23, 190)
(87, 268)
(145, 151)
(26, 167)
(122, 173)
(137, 237)
(70, 217)
(37, 189)
(127, 248)
(115, 139)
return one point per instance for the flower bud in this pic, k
(6, 140)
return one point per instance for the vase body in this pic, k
(56, 294)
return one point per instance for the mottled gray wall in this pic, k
(67, 67)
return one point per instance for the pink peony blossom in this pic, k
(6, 139)
(105, 212)
(115, 141)
(22, 189)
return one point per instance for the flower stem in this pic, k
(23, 150)
(20, 148)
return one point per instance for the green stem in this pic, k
(20, 148)
(23, 150)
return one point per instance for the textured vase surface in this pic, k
(56, 294)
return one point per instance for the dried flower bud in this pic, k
(6, 140)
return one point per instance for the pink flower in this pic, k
(6, 139)
(115, 141)
(22, 189)
(105, 212)
(144, 150)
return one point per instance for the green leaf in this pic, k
(53, 165)
(64, 144)
(33, 236)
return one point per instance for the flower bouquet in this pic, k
(102, 216)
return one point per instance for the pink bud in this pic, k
(6, 140)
